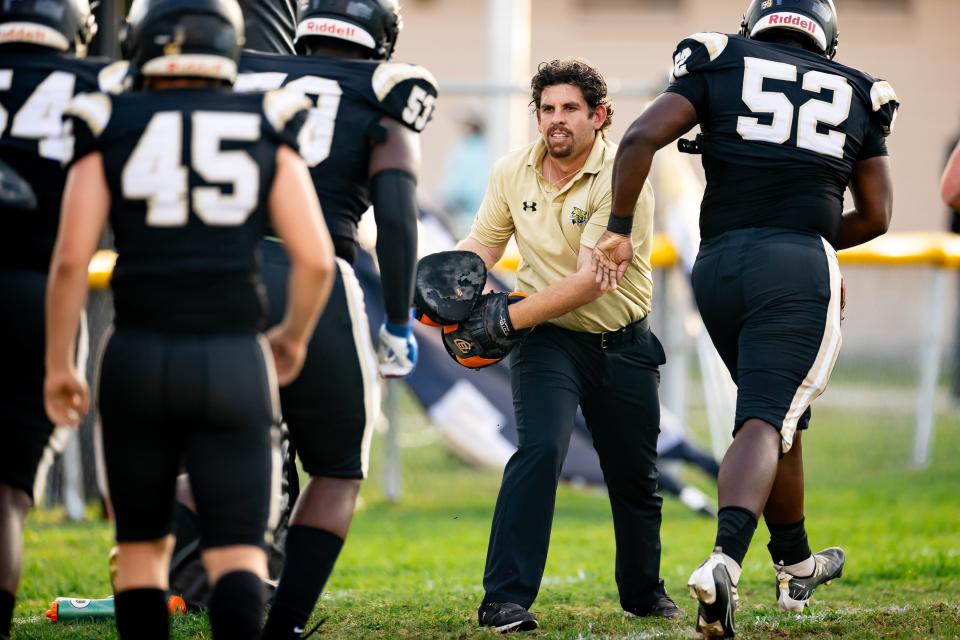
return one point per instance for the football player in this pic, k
(269, 25)
(188, 172)
(42, 66)
(369, 112)
(784, 130)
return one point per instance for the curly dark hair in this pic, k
(578, 73)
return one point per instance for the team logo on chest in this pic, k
(529, 206)
(578, 217)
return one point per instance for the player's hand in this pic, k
(398, 350)
(843, 299)
(65, 397)
(611, 257)
(289, 352)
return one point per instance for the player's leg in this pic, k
(547, 384)
(330, 410)
(14, 504)
(783, 512)
(233, 427)
(747, 471)
(799, 570)
(142, 456)
(623, 414)
(25, 430)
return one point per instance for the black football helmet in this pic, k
(374, 24)
(183, 38)
(816, 19)
(67, 25)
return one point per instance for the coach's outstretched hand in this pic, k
(611, 257)
(289, 352)
(66, 397)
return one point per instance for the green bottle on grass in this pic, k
(73, 609)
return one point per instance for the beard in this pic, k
(560, 148)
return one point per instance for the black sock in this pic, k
(7, 600)
(185, 528)
(735, 527)
(236, 606)
(142, 614)
(311, 555)
(788, 543)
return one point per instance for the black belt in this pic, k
(610, 339)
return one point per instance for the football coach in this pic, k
(592, 348)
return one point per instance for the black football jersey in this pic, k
(189, 173)
(36, 84)
(269, 25)
(351, 96)
(782, 128)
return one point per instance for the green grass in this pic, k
(413, 570)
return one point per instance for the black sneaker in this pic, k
(793, 593)
(712, 586)
(506, 617)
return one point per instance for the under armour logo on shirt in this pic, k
(529, 206)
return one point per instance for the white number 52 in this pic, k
(810, 114)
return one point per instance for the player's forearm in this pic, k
(308, 290)
(857, 228)
(663, 121)
(66, 297)
(559, 298)
(950, 183)
(630, 170)
(395, 210)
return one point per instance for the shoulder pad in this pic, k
(113, 78)
(281, 105)
(696, 52)
(405, 92)
(93, 109)
(389, 74)
(885, 105)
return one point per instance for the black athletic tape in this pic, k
(393, 193)
(620, 224)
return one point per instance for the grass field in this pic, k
(413, 570)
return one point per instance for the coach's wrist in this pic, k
(620, 224)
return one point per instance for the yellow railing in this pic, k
(939, 249)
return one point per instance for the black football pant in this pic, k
(553, 372)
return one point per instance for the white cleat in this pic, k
(712, 586)
(793, 593)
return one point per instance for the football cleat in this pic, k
(793, 593)
(506, 617)
(712, 586)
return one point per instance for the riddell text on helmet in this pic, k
(793, 21)
(330, 28)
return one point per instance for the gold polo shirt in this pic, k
(550, 225)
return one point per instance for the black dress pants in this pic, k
(614, 379)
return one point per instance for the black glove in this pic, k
(487, 335)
